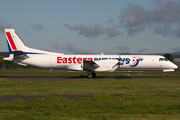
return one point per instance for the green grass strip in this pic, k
(129, 87)
(95, 108)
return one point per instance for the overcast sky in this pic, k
(94, 26)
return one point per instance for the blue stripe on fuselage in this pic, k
(32, 53)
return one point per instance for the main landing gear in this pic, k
(91, 74)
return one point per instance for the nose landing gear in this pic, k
(164, 75)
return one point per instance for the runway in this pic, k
(62, 78)
(32, 97)
(65, 78)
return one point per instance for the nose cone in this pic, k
(176, 67)
(173, 66)
(170, 67)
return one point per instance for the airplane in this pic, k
(26, 56)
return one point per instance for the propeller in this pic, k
(119, 62)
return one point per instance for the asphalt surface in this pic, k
(27, 98)
(65, 78)
(61, 78)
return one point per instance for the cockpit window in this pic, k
(163, 59)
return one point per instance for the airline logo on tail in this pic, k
(11, 41)
(15, 44)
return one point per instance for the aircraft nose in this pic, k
(174, 66)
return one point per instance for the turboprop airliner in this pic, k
(26, 56)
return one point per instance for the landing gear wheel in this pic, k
(164, 75)
(91, 75)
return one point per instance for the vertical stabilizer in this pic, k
(18, 50)
(14, 42)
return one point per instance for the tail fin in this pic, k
(15, 45)
(17, 49)
(14, 42)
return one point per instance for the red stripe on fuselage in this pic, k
(11, 41)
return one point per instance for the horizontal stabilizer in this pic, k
(20, 55)
(22, 64)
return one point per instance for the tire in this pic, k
(90, 75)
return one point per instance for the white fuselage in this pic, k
(75, 62)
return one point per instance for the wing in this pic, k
(89, 65)
(101, 65)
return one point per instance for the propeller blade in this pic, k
(119, 61)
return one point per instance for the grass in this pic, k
(130, 87)
(131, 98)
(95, 108)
